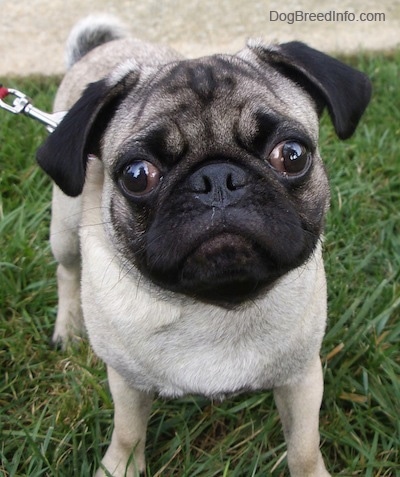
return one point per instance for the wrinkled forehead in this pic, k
(207, 81)
(210, 97)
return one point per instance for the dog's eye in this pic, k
(140, 178)
(291, 158)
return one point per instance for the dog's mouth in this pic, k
(226, 269)
(228, 262)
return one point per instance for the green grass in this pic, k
(55, 409)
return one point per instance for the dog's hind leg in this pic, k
(298, 406)
(64, 239)
(125, 455)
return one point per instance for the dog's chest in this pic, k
(195, 348)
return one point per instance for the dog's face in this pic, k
(214, 187)
(222, 193)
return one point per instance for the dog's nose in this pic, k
(219, 184)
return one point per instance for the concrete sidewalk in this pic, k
(33, 33)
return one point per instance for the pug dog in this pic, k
(187, 222)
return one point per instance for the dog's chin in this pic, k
(226, 270)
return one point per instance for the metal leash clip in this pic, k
(22, 105)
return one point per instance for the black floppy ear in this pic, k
(64, 154)
(344, 90)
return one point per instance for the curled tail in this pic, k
(90, 32)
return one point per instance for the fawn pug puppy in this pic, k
(200, 196)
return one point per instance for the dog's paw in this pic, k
(114, 466)
(313, 467)
(69, 327)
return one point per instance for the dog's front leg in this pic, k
(64, 239)
(298, 407)
(125, 455)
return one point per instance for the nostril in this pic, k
(236, 181)
(201, 183)
(229, 183)
(207, 185)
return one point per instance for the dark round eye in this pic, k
(291, 158)
(139, 178)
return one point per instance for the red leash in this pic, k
(3, 92)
